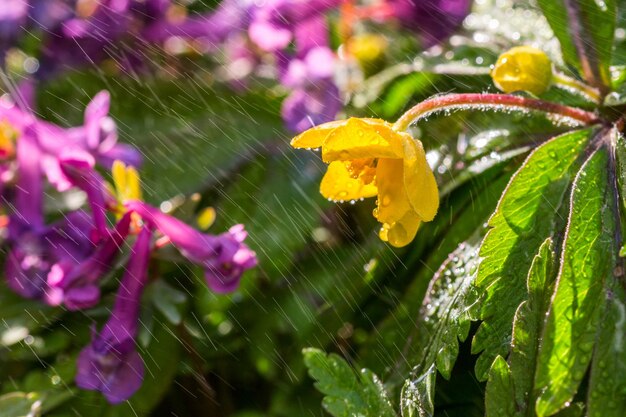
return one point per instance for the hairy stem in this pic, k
(497, 102)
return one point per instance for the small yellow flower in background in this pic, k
(126, 181)
(523, 68)
(369, 51)
(206, 218)
(8, 136)
(368, 158)
(127, 187)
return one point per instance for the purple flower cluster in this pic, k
(295, 32)
(248, 29)
(62, 263)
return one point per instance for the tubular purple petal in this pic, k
(110, 363)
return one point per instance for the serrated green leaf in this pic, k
(416, 399)
(606, 395)
(500, 393)
(607, 384)
(585, 29)
(588, 250)
(527, 214)
(347, 393)
(527, 328)
(442, 322)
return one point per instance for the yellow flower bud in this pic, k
(523, 68)
(369, 51)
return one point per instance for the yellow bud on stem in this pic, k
(523, 68)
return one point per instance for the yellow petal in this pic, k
(393, 202)
(118, 170)
(337, 184)
(360, 138)
(419, 181)
(314, 137)
(402, 232)
(133, 184)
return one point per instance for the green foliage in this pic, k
(527, 214)
(510, 386)
(585, 30)
(588, 257)
(19, 404)
(348, 393)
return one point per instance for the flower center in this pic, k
(363, 169)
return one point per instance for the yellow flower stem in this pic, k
(573, 85)
(495, 102)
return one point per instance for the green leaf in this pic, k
(510, 386)
(417, 395)
(20, 404)
(441, 323)
(527, 214)
(444, 319)
(167, 299)
(587, 259)
(585, 29)
(21, 317)
(500, 393)
(401, 92)
(607, 383)
(528, 326)
(347, 393)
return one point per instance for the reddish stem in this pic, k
(491, 102)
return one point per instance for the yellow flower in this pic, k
(368, 158)
(523, 68)
(8, 137)
(126, 181)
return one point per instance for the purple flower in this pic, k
(18, 15)
(39, 257)
(78, 288)
(310, 106)
(273, 25)
(110, 363)
(315, 98)
(13, 15)
(41, 254)
(79, 169)
(97, 137)
(432, 20)
(224, 258)
(229, 19)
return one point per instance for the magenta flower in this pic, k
(431, 20)
(98, 138)
(224, 257)
(315, 98)
(39, 253)
(110, 363)
(274, 24)
(78, 289)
